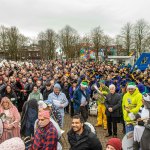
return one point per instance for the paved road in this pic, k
(100, 131)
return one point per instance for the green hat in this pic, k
(131, 85)
(84, 84)
(102, 81)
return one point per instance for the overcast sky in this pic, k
(33, 16)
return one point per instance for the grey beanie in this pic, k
(57, 86)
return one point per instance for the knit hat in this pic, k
(131, 85)
(116, 143)
(57, 86)
(102, 81)
(44, 114)
(84, 84)
(15, 143)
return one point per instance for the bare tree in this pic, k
(106, 41)
(13, 36)
(141, 33)
(42, 45)
(146, 44)
(47, 42)
(23, 40)
(86, 41)
(69, 39)
(51, 42)
(3, 39)
(96, 35)
(127, 37)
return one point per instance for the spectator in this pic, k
(80, 136)
(35, 94)
(28, 117)
(132, 101)
(113, 104)
(141, 118)
(10, 94)
(101, 117)
(11, 124)
(46, 136)
(114, 144)
(65, 90)
(81, 98)
(59, 100)
(47, 91)
(2, 85)
(71, 92)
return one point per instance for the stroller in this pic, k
(93, 104)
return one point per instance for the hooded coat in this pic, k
(133, 102)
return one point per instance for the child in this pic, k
(114, 144)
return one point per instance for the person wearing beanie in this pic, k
(59, 100)
(81, 98)
(131, 103)
(114, 144)
(46, 136)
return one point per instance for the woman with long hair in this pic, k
(9, 92)
(11, 122)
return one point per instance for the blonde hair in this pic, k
(8, 100)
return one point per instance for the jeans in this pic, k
(129, 128)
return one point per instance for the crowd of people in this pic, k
(42, 92)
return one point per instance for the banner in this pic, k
(87, 54)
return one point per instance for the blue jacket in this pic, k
(58, 100)
(71, 91)
(77, 97)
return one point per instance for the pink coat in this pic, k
(15, 130)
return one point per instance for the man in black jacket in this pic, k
(47, 91)
(80, 136)
(113, 104)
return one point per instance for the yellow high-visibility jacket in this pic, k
(133, 102)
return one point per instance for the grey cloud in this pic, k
(33, 16)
